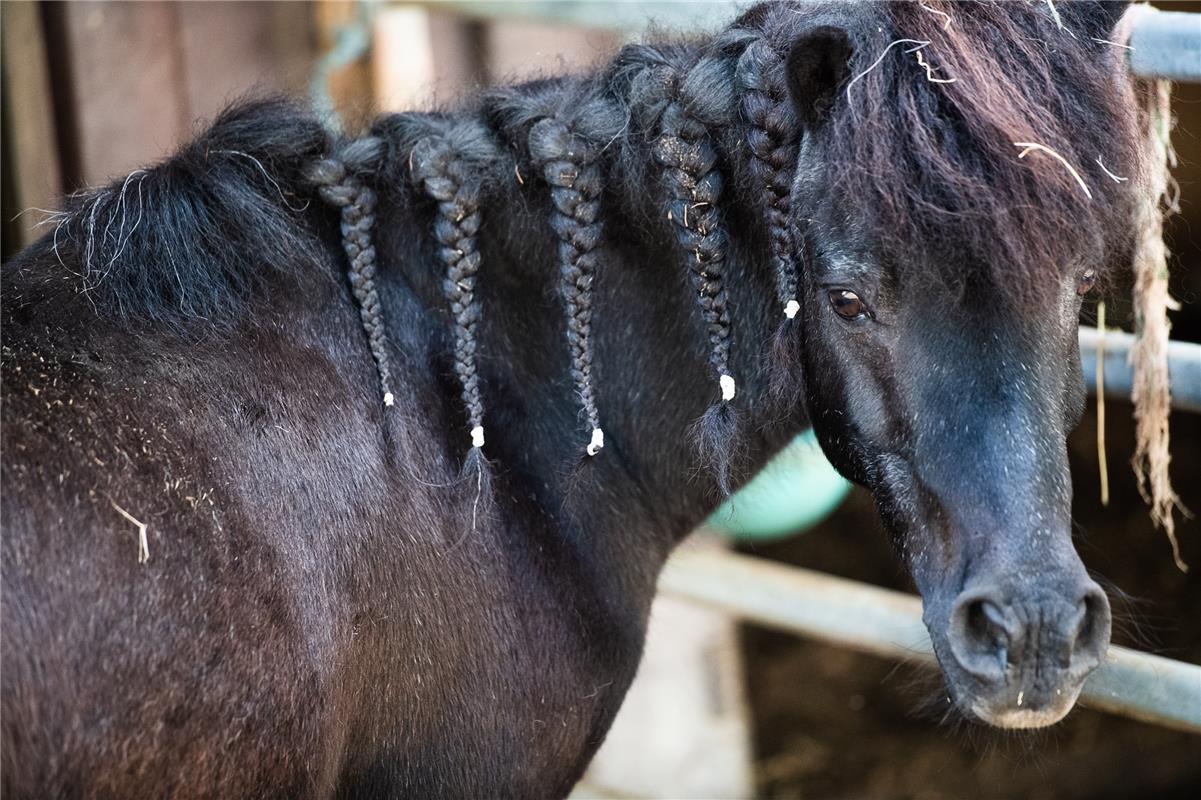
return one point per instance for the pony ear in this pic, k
(818, 64)
(1096, 18)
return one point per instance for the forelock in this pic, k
(930, 152)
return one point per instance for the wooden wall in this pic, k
(32, 173)
(94, 90)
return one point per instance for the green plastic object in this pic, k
(795, 491)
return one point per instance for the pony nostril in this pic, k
(992, 639)
(983, 638)
(986, 624)
(1092, 631)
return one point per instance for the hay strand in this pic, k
(946, 24)
(143, 543)
(1031, 146)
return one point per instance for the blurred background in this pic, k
(93, 90)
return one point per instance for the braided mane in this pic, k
(772, 139)
(442, 176)
(922, 143)
(570, 167)
(341, 187)
(685, 150)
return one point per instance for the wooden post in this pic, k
(683, 729)
(33, 173)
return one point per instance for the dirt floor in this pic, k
(834, 724)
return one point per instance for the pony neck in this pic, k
(653, 382)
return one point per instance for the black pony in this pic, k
(267, 533)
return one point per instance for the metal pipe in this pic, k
(1184, 367)
(1165, 44)
(603, 14)
(887, 623)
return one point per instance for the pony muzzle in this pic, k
(1020, 661)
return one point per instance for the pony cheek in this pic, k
(854, 412)
(842, 443)
(1075, 393)
(1075, 396)
(829, 386)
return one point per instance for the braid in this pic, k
(772, 135)
(688, 158)
(444, 179)
(569, 165)
(694, 187)
(772, 140)
(340, 187)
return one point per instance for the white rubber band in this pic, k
(477, 436)
(727, 387)
(790, 309)
(597, 443)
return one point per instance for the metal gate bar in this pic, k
(1184, 366)
(887, 623)
(1166, 44)
(1163, 44)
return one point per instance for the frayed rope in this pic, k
(1149, 356)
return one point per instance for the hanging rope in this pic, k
(1149, 355)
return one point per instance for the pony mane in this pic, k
(195, 235)
(930, 141)
(924, 143)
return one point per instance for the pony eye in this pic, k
(847, 305)
(1086, 282)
